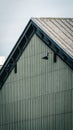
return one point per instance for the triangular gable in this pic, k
(31, 29)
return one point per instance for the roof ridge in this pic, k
(51, 18)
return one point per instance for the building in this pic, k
(36, 80)
(2, 60)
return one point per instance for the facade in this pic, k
(37, 90)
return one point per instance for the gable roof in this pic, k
(56, 33)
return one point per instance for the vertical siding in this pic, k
(40, 95)
(72, 100)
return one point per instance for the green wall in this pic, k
(40, 95)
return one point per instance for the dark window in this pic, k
(15, 68)
(55, 58)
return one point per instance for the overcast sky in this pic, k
(15, 14)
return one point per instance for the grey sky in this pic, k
(15, 14)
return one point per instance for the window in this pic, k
(55, 57)
(15, 68)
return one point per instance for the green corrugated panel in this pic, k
(72, 100)
(39, 96)
(68, 121)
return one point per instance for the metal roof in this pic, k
(60, 30)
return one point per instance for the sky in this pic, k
(15, 14)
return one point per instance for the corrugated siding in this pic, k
(59, 29)
(40, 95)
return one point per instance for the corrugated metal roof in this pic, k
(60, 30)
